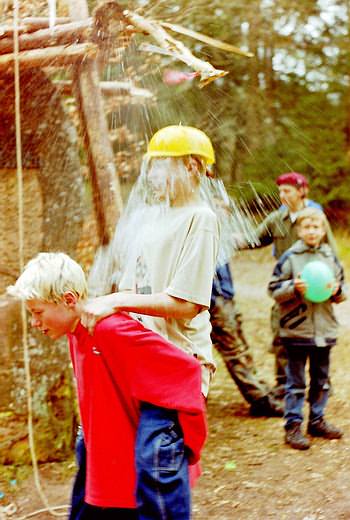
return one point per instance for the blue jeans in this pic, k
(80, 510)
(296, 383)
(163, 489)
(78, 493)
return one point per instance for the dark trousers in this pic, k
(296, 382)
(280, 353)
(78, 493)
(229, 340)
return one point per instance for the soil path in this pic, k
(248, 472)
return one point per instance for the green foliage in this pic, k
(343, 245)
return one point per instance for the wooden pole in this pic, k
(105, 182)
(109, 88)
(67, 33)
(7, 30)
(48, 56)
(33, 23)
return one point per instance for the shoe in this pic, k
(295, 438)
(323, 429)
(266, 407)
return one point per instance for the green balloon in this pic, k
(319, 281)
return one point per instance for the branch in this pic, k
(111, 88)
(206, 39)
(175, 48)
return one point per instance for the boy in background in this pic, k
(121, 368)
(307, 329)
(279, 229)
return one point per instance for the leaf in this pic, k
(230, 465)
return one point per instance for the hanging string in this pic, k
(26, 356)
(52, 14)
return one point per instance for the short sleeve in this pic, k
(196, 264)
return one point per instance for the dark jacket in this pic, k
(222, 284)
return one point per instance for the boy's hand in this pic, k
(96, 309)
(300, 286)
(239, 241)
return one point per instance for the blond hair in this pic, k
(48, 276)
(313, 214)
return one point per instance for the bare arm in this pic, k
(160, 304)
(262, 237)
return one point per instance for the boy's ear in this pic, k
(302, 192)
(70, 299)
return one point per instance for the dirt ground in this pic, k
(248, 472)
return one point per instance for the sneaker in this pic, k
(295, 438)
(323, 429)
(266, 407)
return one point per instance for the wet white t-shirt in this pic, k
(177, 255)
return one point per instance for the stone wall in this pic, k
(54, 201)
(9, 232)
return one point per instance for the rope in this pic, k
(26, 356)
(11, 509)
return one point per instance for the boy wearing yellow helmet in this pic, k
(178, 141)
(164, 256)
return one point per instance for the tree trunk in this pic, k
(104, 179)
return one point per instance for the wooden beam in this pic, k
(8, 30)
(104, 179)
(34, 23)
(109, 88)
(61, 34)
(49, 56)
(64, 85)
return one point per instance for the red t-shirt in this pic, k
(145, 367)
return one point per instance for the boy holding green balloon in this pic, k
(306, 281)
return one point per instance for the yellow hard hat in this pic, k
(177, 140)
